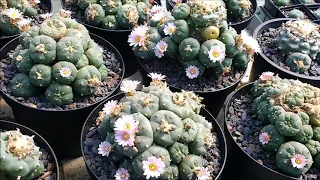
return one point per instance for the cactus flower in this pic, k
(153, 167)
(156, 9)
(65, 72)
(24, 24)
(110, 106)
(156, 78)
(65, 13)
(138, 35)
(264, 138)
(126, 123)
(169, 29)
(266, 76)
(14, 14)
(160, 48)
(203, 173)
(46, 16)
(192, 72)
(251, 45)
(298, 161)
(124, 138)
(129, 86)
(104, 148)
(122, 174)
(160, 17)
(217, 53)
(34, 3)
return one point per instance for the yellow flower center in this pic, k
(107, 148)
(298, 161)
(201, 173)
(215, 54)
(162, 47)
(126, 136)
(172, 29)
(137, 39)
(123, 175)
(192, 71)
(127, 126)
(65, 72)
(153, 167)
(266, 138)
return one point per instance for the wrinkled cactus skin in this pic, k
(276, 139)
(59, 94)
(22, 86)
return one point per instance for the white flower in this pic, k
(46, 15)
(156, 77)
(245, 4)
(104, 148)
(169, 29)
(298, 161)
(124, 138)
(138, 36)
(160, 16)
(153, 167)
(65, 13)
(126, 123)
(156, 9)
(203, 173)
(129, 86)
(158, 53)
(160, 48)
(13, 13)
(109, 107)
(122, 174)
(37, 1)
(264, 138)
(177, 1)
(192, 71)
(217, 53)
(249, 41)
(23, 23)
(266, 76)
(65, 72)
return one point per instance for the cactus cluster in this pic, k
(238, 9)
(19, 156)
(197, 35)
(115, 14)
(299, 41)
(156, 133)
(58, 57)
(12, 12)
(291, 111)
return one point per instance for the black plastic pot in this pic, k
(313, 7)
(39, 140)
(45, 4)
(302, 8)
(60, 128)
(92, 118)
(262, 63)
(213, 100)
(274, 9)
(239, 163)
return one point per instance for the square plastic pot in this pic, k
(273, 9)
(313, 7)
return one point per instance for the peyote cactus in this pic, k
(292, 110)
(20, 157)
(296, 13)
(299, 41)
(238, 9)
(197, 35)
(63, 60)
(155, 133)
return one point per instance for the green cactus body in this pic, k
(315, 117)
(127, 164)
(181, 32)
(143, 12)
(104, 128)
(69, 22)
(95, 57)
(272, 140)
(313, 146)
(285, 153)
(30, 11)
(202, 120)
(156, 90)
(317, 13)
(154, 150)
(177, 104)
(256, 102)
(188, 166)
(274, 112)
(26, 37)
(181, 12)
(227, 39)
(296, 13)
(189, 49)
(16, 4)
(111, 7)
(40, 75)
(110, 22)
(218, 53)
(304, 135)
(87, 81)
(294, 98)
(79, 36)
(147, 104)
(64, 72)
(171, 173)
(83, 61)
(189, 131)
(288, 124)
(22, 86)
(240, 60)
(298, 62)
(69, 49)
(231, 50)
(316, 133)
(23, 61)
(172, 48)
(53, 28)
(197, 146)
(94, 14)
(262, 110)
(304, 118)
(115, 155)
(178, 152)
(6, 26)
(43, 49)
(127, 16)
(166, 126)
(237, 8)
(281, 2)
(83, 4)
(161, 25)
(103, 71)
(194, 101)
(143, 139)
(59, 94)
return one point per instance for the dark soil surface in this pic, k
(109, 85)
(36, 20)
(48, 162)
(245, 131)
(176, 76)
(104, 169)
(267, 43)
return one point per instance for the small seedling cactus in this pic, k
(238, 9)
(296, 13)
(299, 42)
(59, 56)
(292, 110)
(197, 35)
(19, 156)
(155, 133)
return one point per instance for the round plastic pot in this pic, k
(39, 140)
(213, 100)
(60, 128)
(262, 63)
(239, 164)
(45, 4)
(92, 117)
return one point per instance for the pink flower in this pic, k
(298, 161)
(124, 138)
(126, 123)
(203, 173)
(104, 148)
(266, 76)
(153, 167)
(122, 174)
(264, 138)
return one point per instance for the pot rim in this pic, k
(50, 150)
(229, 100)
(111, 48)
(256, 33)
(224, 141)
